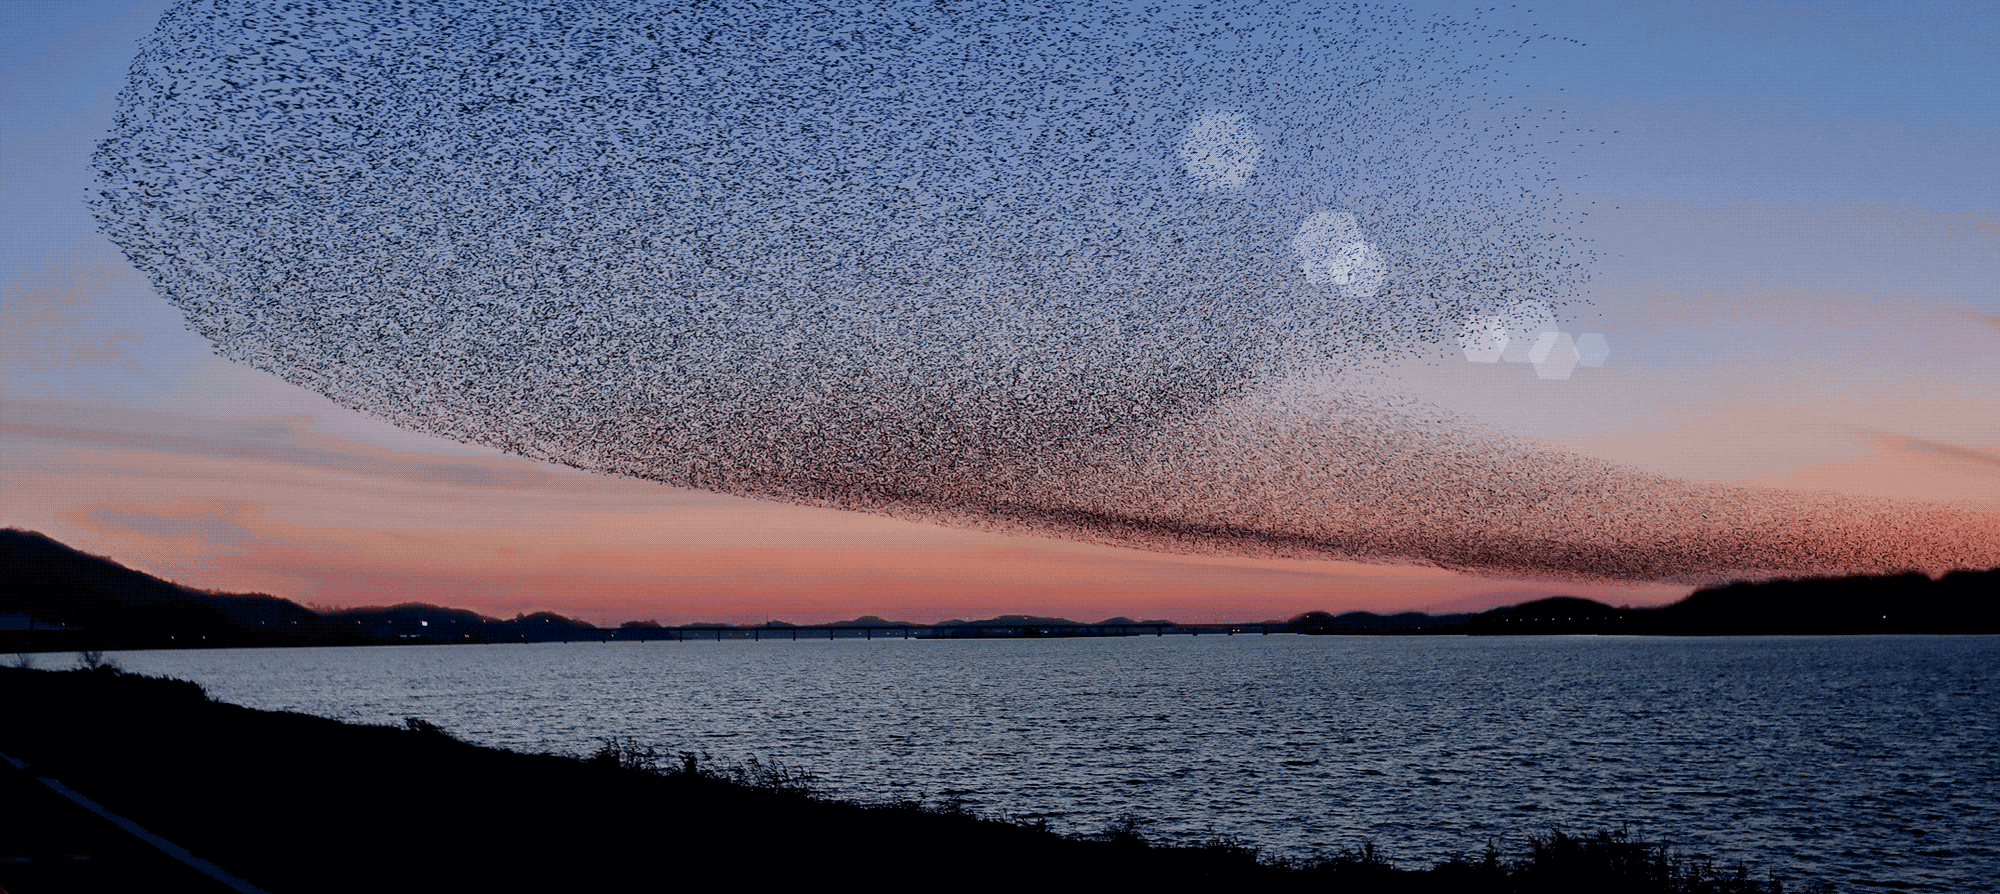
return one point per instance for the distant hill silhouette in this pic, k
(1370, 623)
(1557, 614)
(1122, 621)
(1012, 621)
(53, 585)
(55, 597)
(869, 621)
(1959, 602)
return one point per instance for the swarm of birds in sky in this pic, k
(1048, 267)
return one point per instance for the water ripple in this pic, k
(1867, 761)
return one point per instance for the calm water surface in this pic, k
(1865, 761)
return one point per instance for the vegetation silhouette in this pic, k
(297, 803)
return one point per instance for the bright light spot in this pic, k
(1333, 252)
(1483, 339)
(1526, 322)
(1592, 349)
(1221, 150)
(1554, 355)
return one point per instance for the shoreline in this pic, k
(290, 802)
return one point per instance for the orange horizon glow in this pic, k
(1797, 286)
(371, 515)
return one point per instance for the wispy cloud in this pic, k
(193, 447)
(1992, 320)
(1927, 447)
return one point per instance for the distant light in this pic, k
(1333, 252)
(1526, 322)
(1591, 349)
(1484, 339)
(1554, 355)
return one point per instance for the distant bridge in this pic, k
(981, 631)
(68, 639)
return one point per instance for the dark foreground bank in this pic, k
(288, 802)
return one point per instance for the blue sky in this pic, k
(1794, 207)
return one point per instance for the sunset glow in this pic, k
(1765, 324)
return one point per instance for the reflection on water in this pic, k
(1850, 759)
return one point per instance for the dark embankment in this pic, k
(1959, 602)
(1890, 604)
(295, 803)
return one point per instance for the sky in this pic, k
(1792, 209)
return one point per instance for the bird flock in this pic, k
(1061, 268)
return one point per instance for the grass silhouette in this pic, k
(297, 803)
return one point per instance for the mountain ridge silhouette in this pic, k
(54, 596)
